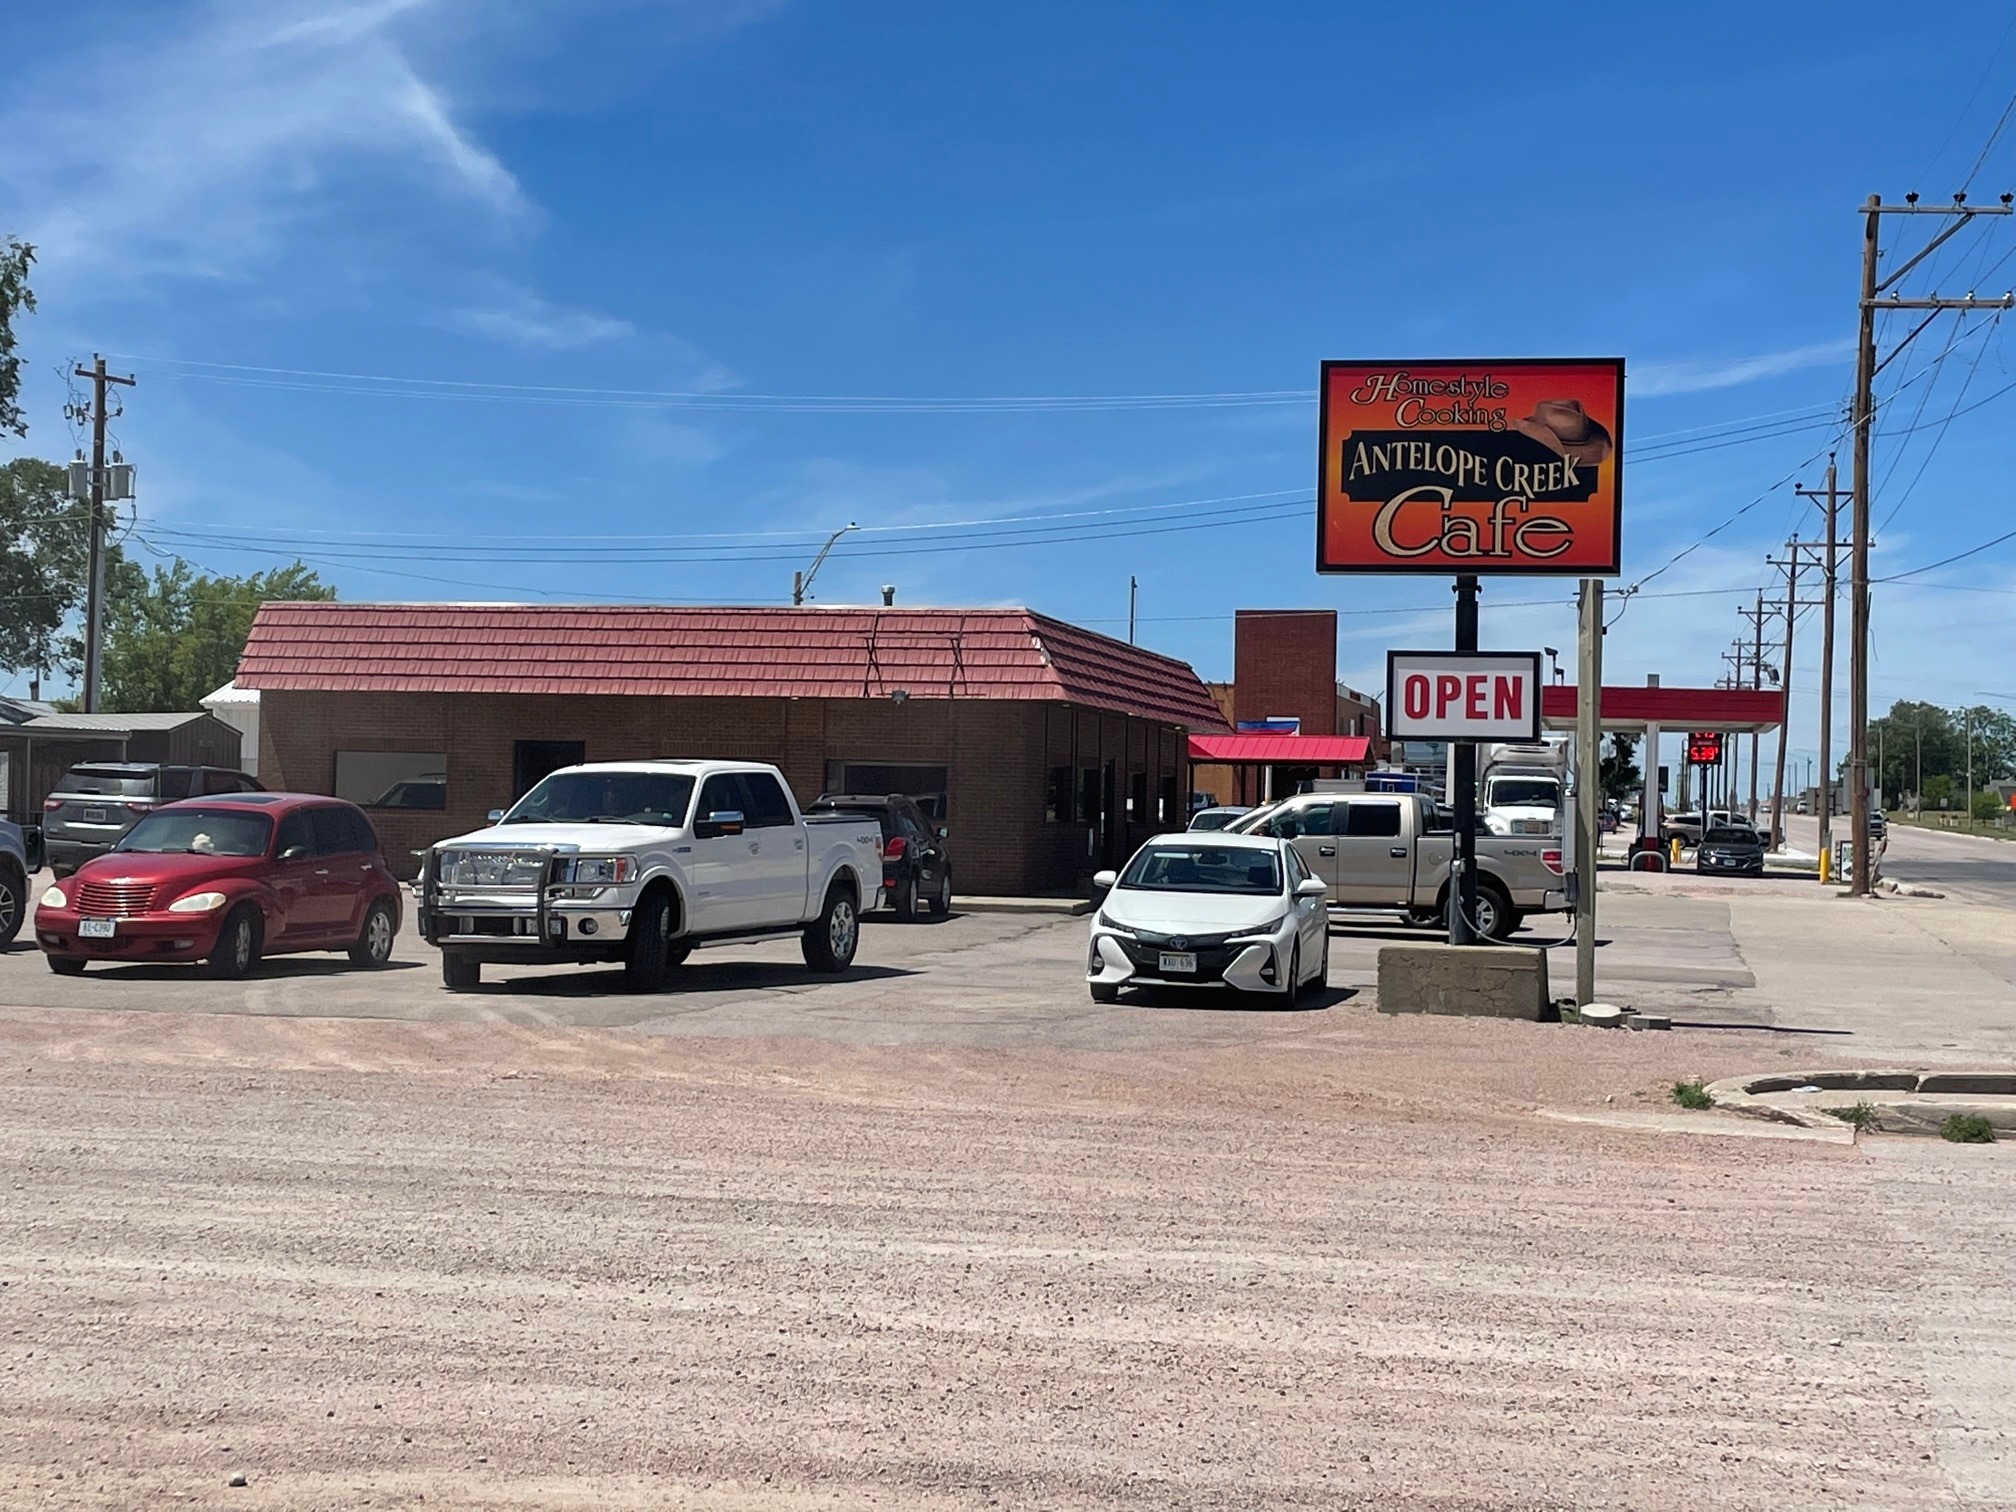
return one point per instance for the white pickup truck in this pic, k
(643, 862)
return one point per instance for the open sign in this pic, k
(1463, 695)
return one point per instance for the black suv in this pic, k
(916, 867)
(96, 803)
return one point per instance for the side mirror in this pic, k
(717, 824)
(1312, 887)
(494, 816)
(294, 853)
(1104, 880)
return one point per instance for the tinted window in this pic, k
(218, 781)
(366, 838)
(768, 807)
(722, 794)
(176, 783)
(658, 798)
(1203, 868)
(333, 834)
(1316, 819)
(1380, 819)
(1730, 836)
(111, 784)
(200, 832)
(297, 831)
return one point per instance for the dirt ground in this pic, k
(1337, 1264)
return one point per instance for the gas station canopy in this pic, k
(1733, 710)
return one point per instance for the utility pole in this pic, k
(1133, 591)
(1791, 566)
(1968, 812)
(1823, 804)
(1756, 618)
(1862, 417)
(94, 592)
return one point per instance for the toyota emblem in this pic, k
(1177, 942)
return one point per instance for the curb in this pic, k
(1740, 1094)
(1057, 907)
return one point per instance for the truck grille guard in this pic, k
(430, 894)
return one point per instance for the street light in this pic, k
(1553, 661)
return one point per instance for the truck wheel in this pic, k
(1495, 918)
(13, 904)
(648, 965)
(906, 898)
(460, 973)
(833, 937)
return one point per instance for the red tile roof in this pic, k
(1299, 750)
(658, 652)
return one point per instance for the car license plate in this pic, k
(94, 816)
(97, 929)
(1175, 960)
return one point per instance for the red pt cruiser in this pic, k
(225, 880)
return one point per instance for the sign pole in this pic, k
(1589, 785)
(1463, 888)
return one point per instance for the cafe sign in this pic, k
(1511, 466)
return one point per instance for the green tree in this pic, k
(1621, 778)
(16, 298)
(1987, 808)
(172, 638)
(43, 551)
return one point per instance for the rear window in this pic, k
(1731, 836)
(98, 782)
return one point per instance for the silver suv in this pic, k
(97, 802)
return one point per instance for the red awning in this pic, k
(1737, 710)
(1291, 750)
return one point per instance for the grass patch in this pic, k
(1692, 1095)
(1862, 1116)
(1967, 1128)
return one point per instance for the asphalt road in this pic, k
(1966, 867)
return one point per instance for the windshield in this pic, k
(659, 798)
(1732, 836)
(110, 784)
(200, 832)
(1203, 868)
(1524, 792)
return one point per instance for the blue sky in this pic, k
(270, 208)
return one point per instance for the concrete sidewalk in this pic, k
(1921, 981)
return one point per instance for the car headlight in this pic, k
(1272, 926)
(203, 902)
(1110, 927)
(603, 871)
(54, 898)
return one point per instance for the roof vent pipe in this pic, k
(888, 595)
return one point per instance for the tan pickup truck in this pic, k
(1390, 853)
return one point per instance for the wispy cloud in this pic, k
(1653, 379)
(185, 149)
(524, 319)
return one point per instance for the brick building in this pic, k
(1284, 667)
(1048, 750)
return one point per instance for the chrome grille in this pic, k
(114, 900)
(502, 871)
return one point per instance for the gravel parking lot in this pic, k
(940, 1234)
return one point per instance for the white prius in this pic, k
(1210, 910)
